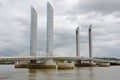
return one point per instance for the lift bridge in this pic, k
(27, 58)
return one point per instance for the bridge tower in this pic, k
(90, 41)
(33, 32)
(77, 42)
(49, 41)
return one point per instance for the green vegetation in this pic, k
(7, 61)
(108, 58)
(62, 60)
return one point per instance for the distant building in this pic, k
(49, 41)
(33, 32)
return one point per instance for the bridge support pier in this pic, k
(48, 64)
(84, 63)
(33, 61)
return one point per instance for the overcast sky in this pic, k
(104, 15)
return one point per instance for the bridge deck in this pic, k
(41, 57)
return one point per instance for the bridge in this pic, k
(49, 44)
(27, 58)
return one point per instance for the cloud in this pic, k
(102, 14)
(101, 6)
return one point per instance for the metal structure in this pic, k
(33, 32)
(49, 42)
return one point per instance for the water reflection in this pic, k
(83, 73)
(65, 74)
(50, 74)
(77, 73)
(43, 74)
(53, 74)
(32, 74)
(91, 73)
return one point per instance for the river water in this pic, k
(8, 72)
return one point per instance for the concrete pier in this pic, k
(103, 64)
(65, 65)
(41, 66)
(48, 64)
(84, 63)
(20, 65)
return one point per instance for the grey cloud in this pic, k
(86, 6)
(109, 52)
(15, 27)
(0, 4)
(102, 6)
(64, 38)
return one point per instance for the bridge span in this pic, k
(25, 58)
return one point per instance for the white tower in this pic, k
(33, 32)
(49, 43)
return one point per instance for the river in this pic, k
(8, 72)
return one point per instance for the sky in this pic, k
(104, 15)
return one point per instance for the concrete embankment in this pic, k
(45, 66)
(103, 64)
(65, 65)
(20, 65)
(35, 66)
(41, 66)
